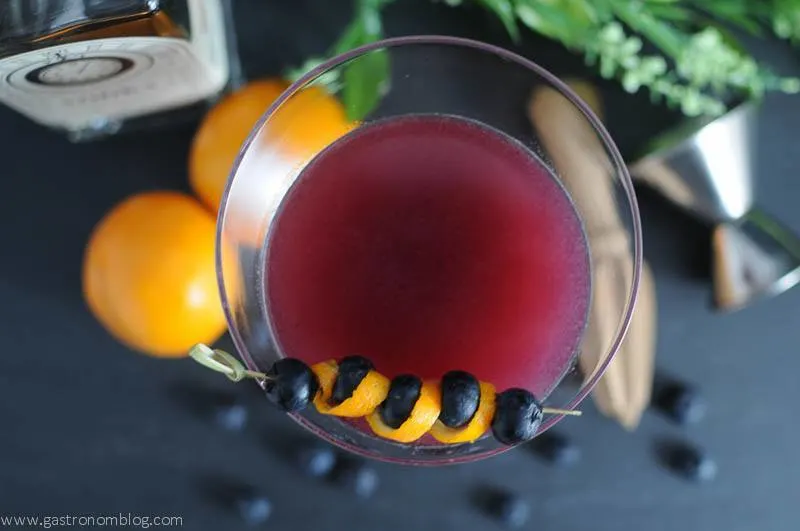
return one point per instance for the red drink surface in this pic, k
(427, 244)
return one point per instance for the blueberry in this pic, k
(352, 370)
(556, 448)
(510, 509)
(517, 416)
(359, 478)
(231, 416)
(291, 384)
(254, 509)
(690, 462)
(316, 461)
(681, 402)
(461, 394)
(403, 394)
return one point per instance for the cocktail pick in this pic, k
(223, 362)
(220, 361)
(706, 167)
(623, 392)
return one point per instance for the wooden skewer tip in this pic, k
(568, 412)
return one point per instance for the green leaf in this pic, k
(675, 13)
(351, 38)
(365, 77)
(669, 39)
(330, 79)
(504, 10)
(365, 81)
(602, 9)
(370, 17)
(586, 12)
(551, 20)
(379, 4)
(366, 27)
(785, 19)
(729, 38)
(748, 15)
(745, 22)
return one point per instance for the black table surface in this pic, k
(89, 427)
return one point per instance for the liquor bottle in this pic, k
(92, 67)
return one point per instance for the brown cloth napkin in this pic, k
(623, 392)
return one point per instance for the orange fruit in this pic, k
(423, 416)
(149, 274)
(222, 132)
(371, 391)
(475, 428)
(304, 125)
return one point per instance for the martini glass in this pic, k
(429, 76)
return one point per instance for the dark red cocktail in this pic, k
(430, 243)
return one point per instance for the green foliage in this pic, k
(365, 79)
(504, 9)
(698, 62)
(696, 65)
(360, 82)
(786, 19)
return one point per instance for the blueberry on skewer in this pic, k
(352, 370)
(461, 395)
(290, 384)
(404, 392)
(517, 416)
(469, 405)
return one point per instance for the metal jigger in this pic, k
(707, 168)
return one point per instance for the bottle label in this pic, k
(74, 86)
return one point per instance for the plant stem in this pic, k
(665, 37)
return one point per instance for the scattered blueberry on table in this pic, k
(316, 460)
(509, 509)
(359, 478)
(690, 462)
(556, 448)
(254, 508)
(681, 402)
(230, 415)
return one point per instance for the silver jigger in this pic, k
(708, 169)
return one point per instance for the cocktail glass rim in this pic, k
(562, 87)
